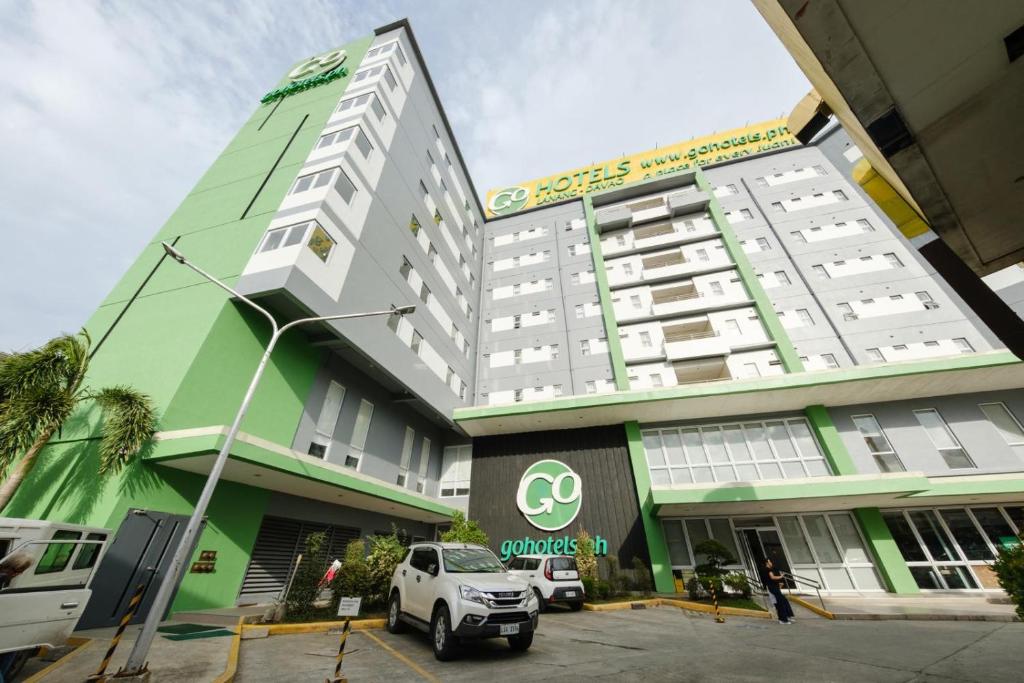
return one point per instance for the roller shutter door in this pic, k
(277, 545)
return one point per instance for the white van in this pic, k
(41, 605)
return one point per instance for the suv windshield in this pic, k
(470, 560)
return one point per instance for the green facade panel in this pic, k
(657, 547)
(611, 325)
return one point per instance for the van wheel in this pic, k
(543, 606)
(521, 643)
(18, 661)
(442, 640)
(395, 624)
(576, 606)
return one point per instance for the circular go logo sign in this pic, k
(324, 62)
(550, 495)
(509, 199)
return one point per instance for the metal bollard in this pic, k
(346, 629)
(719, 619)
(133, 607)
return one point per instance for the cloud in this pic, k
(113, 110)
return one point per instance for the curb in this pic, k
(313, 627)
(232, 666)
(861, 616)
(821, 612)
(681, 604)
(80, 645)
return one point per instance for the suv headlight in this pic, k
(471, 594)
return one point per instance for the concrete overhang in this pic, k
(817, 494)
(932, 96)
(863, 384)
(769, 497)
(257, 462)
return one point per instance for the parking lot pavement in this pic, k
(664, 644)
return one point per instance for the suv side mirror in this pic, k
(432, 569)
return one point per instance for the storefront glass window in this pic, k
(804, 441)
(902, 533)
(780, 440)
(934, 538)
(1017, 517)
(721, 531)
(926, 577)
(849, 539)
(966, 534)
(799, 551)
(821, 539)
(995, 527)
(698, 533)
(677, 550)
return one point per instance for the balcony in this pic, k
(695, 339)
(697, 371)
(613, 218)
(688, 201)
(675, 299)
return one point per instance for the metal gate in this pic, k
(140, 553)
(277, 545)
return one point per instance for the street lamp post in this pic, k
(137, 659)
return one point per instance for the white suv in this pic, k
(553, 578)
(460, 591)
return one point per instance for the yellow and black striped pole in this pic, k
(719, 619)
(346, 629)
(133, 607)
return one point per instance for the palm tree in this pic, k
(40, 389)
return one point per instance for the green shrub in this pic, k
(385, 554)
(464, 531)
(693, 588)
(642, 576)
(616, 579)
(353, 579)
(306, 584)
(603, 588)
(738, 582)
(586, 561)
(589, 589)
(1009, 568)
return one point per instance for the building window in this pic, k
(943, 439)
(320, 243)
(517, 395)
(798, 235)
(584, 347)
(875, 355)
(421, 476)
(820, 271)
(656, 380)
(805, 317)
(627, 269)
(829, 360)
(963, 345)
(894, 261)
(456, 470)
(326, 423)
(645, 339)
(782, 278)
(591, 386)
(634, 301)
(750, 451)
(763, 244)
(283, 237)
(312, 181)
(1005, 423)
(406, 461)
(840, 195)
(878, 444)
(359, 434)
(417, 341)
(335, 137)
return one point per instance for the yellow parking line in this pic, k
(402, 658)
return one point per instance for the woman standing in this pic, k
(772, 581)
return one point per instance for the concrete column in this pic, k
(888, 559)
(657, 548)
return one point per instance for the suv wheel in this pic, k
(441, 637)
(542, 606)
(521, 643)
(395, 624)
(576, 606)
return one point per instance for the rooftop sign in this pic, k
(682, 156)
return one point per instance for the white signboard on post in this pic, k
(349, 607)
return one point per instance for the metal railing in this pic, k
(678, 297)
(804, 581)
(706, 334)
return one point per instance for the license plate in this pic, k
(508, 629)
(570, 594)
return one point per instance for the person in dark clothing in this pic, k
(772, 581)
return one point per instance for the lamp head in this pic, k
(173, 253)
(403, 310)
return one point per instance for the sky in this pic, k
(112, 110)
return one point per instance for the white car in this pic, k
(553, 578)
(46, 569)
(457, 592)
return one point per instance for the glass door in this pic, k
(764, 543)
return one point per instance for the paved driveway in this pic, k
(665, 644)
